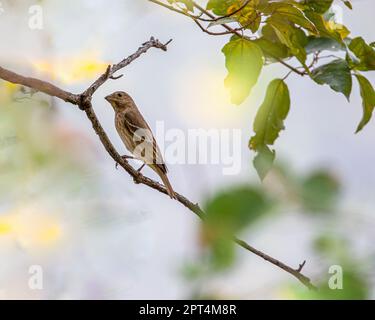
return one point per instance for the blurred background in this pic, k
(97, 235)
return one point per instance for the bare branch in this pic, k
(294, 272)
(38, 85)
(301, 265)
(84, 102)
(152, 43)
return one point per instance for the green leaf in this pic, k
(272, 50)
(220, 7)
(315, 44)
(263, 161)
(319, 192)
(348, 4)
(249, 17)
(365, 54)
(188, 4)
(336, 74)
(268, 123)
(295, 39)
(227, 213)
(328, 29)
(232, 210)
(222, 253)
(244, 61)
(368, 100)
(292, 14)
(319, 6)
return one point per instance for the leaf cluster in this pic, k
(295, 34)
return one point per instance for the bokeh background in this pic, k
(97, 235)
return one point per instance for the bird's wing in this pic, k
(143, 138)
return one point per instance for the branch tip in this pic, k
(300, 267)
(116, 77)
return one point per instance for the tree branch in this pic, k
(230, 30)
(83, 101)
(38, 85)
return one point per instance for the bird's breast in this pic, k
(125, 136)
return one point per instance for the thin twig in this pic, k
(229, 29)
(83, 101)
(232, 13)
(301, 265)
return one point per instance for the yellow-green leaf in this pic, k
(244, 61)
(295, 39)
(368, 100)
(268, 123)
(319, 6)
(365, 54)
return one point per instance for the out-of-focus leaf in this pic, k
(332, 246)
(368, 100)
(355, 287)
(189, 4)
(228, 213)
(222, 252)
(268, 123)
(336, 74)
(319, 192)
(244, 61)
(233, 210)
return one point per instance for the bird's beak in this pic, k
(108, 98)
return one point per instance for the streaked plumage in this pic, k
(137, 135)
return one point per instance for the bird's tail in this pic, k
(163, 176)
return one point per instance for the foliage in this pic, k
(336, 251)
(293, 33)
(268, 123)
(228, 213)
(239, 208)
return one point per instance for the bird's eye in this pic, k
(119, 95)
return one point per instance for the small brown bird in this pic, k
(137, 136)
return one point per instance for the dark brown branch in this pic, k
(295, 272)
(232, 13)
(301, 73)
(185, 13)
(229, 29)
(84, 102)
(301, 265)
(152, 43)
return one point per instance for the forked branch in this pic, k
(83, 101)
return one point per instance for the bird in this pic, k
(137, 136)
